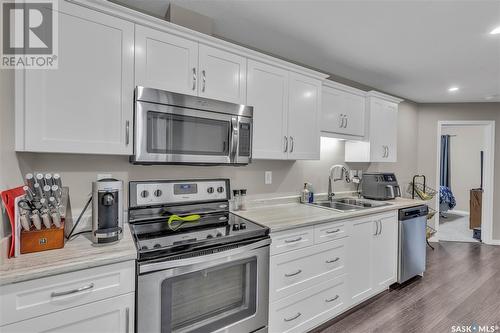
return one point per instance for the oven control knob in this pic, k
(156, 246)
(218, 234)
(145, 193)
(243, 226)
(210, 189)
(220, 189)
(158, 193)
(236, 227)
(209, 236)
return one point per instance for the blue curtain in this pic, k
(445, 161)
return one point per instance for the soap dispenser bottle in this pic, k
(304, 195)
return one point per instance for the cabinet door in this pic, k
(354, 114)
(342, 112)
(383, 130)
(112, 315)
(359, 260)
(267, 92)
(385, 253)
(84, 106)
(165, 61)
(303, 117)
(222, 75)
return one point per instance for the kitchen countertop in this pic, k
(77, 254)
(282, 217)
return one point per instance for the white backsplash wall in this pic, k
(288, 177)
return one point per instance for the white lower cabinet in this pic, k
(308, 308)
(344, 263)
(95, 299)
(372, 256)
(111, 315)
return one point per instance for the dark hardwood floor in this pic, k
(460, 287)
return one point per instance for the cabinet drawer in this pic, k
(297, 270)
(330, 231)
(291, 240)
(308, 308)
(112, 315)
(20, 301)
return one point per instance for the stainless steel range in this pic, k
(200, 268)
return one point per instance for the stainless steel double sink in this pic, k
(349, 204)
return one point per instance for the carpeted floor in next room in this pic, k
(460, 287)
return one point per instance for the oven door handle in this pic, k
(203, 259)
(234, 139)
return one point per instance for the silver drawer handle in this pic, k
(328, 300)
(73, 291)
(332, 260)
(332, 231)
(294, 317)
(293, 274)
(293, 240)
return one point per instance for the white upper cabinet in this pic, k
(222, 75)
(342, 111)
(84, 106)
(168, 62)
(267, 92)
(286, 113)
(164, 61)
(303, 117)
(382, 115)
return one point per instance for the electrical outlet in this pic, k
(268, 177)
(104, 175)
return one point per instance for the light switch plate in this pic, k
(268, 177)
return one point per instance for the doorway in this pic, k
(465, 174)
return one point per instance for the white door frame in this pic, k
(488, 180)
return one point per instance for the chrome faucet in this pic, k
(344, 174)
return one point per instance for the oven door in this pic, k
(225, 291)
(170, 134)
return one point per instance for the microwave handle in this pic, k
(234, 139)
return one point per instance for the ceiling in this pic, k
(412, 49)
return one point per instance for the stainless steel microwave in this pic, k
(171, 128)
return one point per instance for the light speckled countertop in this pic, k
(295, 215)
(76, 254)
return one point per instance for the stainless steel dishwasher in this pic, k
(412, 242)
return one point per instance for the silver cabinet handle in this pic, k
(194, 78)
(127, 132)
(127, 320)
(204, 80)
(293, 318)
(293, 240)
(341, 120)
(376, 231)
(346, 119)
(292, 144)
(380, 231)
(294, 273)
(328, 300)
(387, 149)
(329, 261)
(72, 291)
(332, 231)
(286, 143)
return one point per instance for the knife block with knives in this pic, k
(36, 240)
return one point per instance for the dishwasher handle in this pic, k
(413, 212)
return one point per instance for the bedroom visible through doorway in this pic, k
(465, 181)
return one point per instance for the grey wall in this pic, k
(430, 114)
(466, 144)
